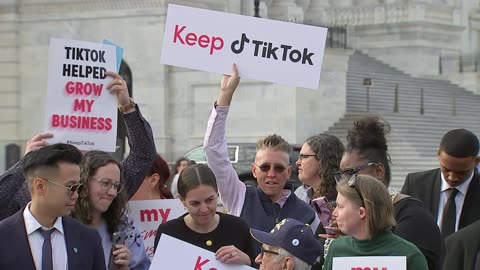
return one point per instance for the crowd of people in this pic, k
(65, 209)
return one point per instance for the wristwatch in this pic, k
(127, 107)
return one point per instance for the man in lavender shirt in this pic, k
(273, 200)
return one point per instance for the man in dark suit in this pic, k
(463, 248)
(41, 235)
(14, 193)
(452, 192)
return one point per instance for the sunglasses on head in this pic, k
(352, 183)
(276, 167)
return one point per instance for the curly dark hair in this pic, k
(368, 137)
(329, 150)
(114, 216)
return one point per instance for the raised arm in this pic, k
(139, 135)
(11, 185)
(13, 189)
(142, 151)
(232, 190)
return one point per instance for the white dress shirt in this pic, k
(459, 199)
(173, 187)
(35, 239)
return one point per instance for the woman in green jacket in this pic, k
(364, 213)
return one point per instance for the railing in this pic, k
(396, 103)
(336, 35)
(458, 64)
(389, 13)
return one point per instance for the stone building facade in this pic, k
(408, 34)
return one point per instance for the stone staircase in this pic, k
(414, 137)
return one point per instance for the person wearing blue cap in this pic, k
(290, 245)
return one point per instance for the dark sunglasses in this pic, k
(271, 252)
(349, 172)
(266, 167)
(71, 189)
(352, 183)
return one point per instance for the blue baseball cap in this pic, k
(293, 236)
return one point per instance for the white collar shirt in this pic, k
(459, 199)
(35, 240)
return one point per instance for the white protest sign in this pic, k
(370, 263)
(263, 49)
(148, 215)
(79, 109)
(176, 254)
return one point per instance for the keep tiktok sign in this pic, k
(267, 50)
(80, 110)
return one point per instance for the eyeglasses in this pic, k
(271, 252)
(266, 167)
(351, 171)
(352, 183)
(304, 156)
(71, 189)
(106, 184)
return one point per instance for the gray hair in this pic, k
(298, 264)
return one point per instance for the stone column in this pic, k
(304, 4)
(342, 3)
(316, 13)
(285, 10)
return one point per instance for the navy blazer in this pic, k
(84, 245)
(426, 185)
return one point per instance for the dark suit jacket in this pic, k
(14, 193)
(84, 245)
(463, 248)
(426, 185)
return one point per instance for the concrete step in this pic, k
(414, 138)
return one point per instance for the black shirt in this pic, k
(416, 225)
(231, 230)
